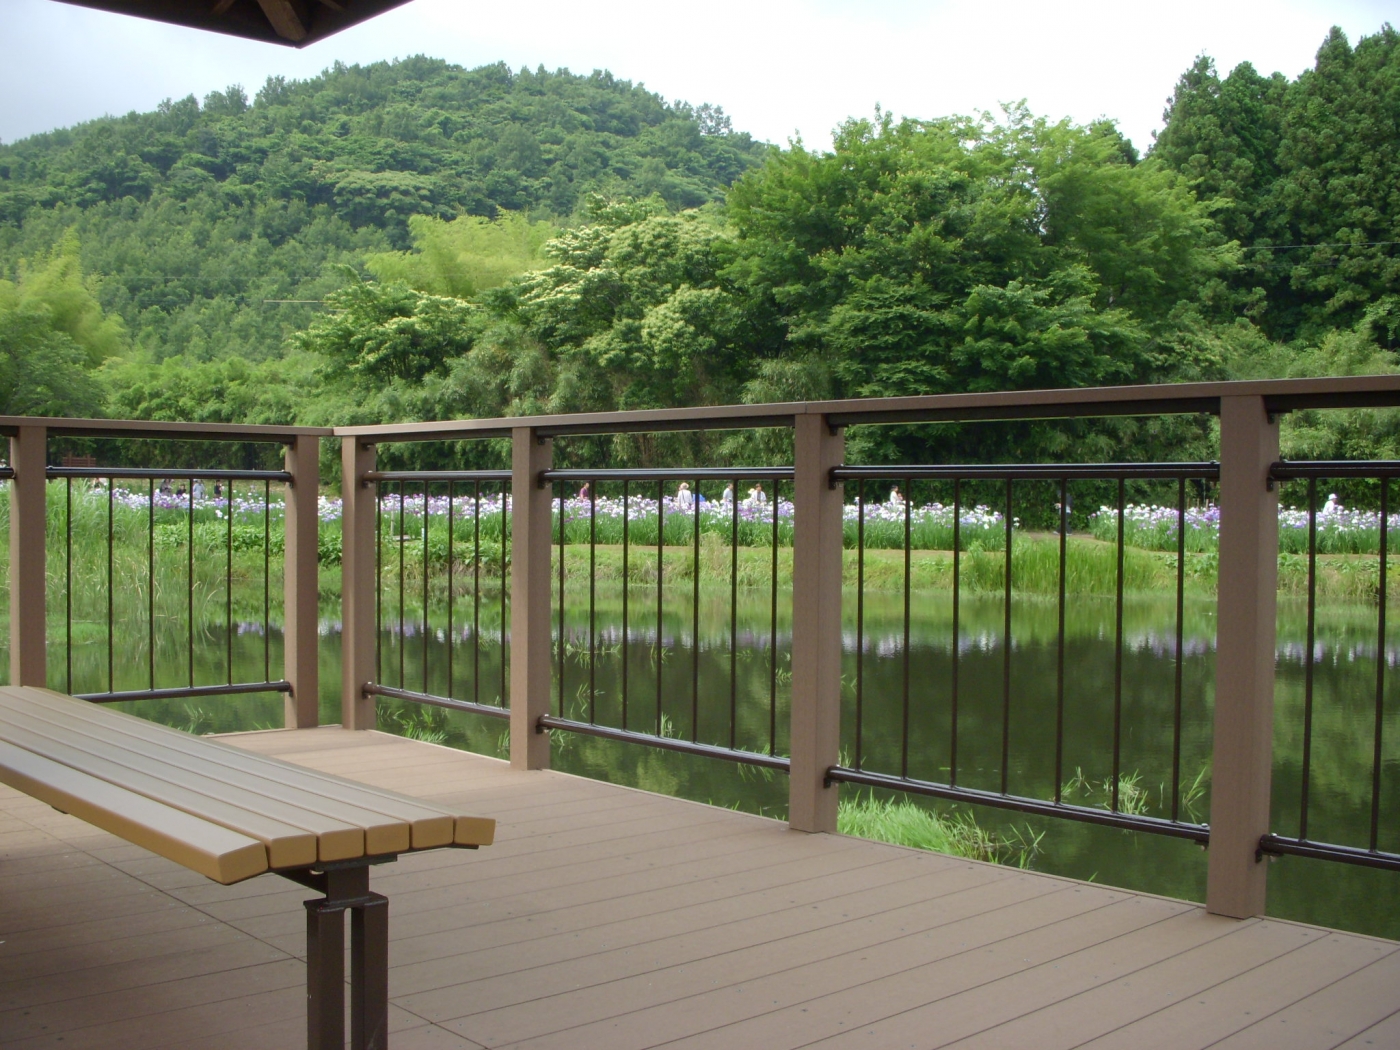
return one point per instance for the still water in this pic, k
(752, 652)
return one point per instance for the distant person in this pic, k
(198, 489)
(584, 491)
(727, 499)
(757, 497)
(684, 500)
(896, 498)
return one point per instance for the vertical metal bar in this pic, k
(476, 590)
(369, 974)
(1380, 666)
(1309, 660)
(267, 579)
(403, 641)
(772, 627)
(426, 575)
(1006, 651)
(228, 582)
(1118, 659)
(325, 975)
(957, 650)
(695, 616)
(562, 510)
(626, 540)
(660, 581)
(111, 620)
(68, 586)
(150, 585)
(505, 527)
(592, 600)
(451, 579)
(734, 616)
(860, 623)
(378, 581)
(189, 578)
(1180, 640)
(1060, 647)
(908, 589)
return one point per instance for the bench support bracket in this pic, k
(346, 888)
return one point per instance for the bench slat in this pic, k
(213, 851)
(287, 845)
(431, 825)
(344, 830)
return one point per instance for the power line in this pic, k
(1339, 244)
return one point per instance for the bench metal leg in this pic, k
(346, 888)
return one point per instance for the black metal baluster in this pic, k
(1180, 642)
(1309, 659)
(734, 615)
(189, 579)
(592, 600)
(1118, 658)
(505, 523)
(1060, 646)
(403, 640)
(860, 623)
(562, 510)
(772, 625)
(626, 587)
(378, 582)
(1006, 652)
(451, 582)
(267, 578)
(150, 585)
(660, 579)
(111, 593)
(908, 588)
(426, 577)
(957, 651)
(228, 582)
(695, 617)
(1380, 667)
(68, 585)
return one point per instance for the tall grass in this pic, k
(903, 823)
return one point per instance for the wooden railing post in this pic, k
(358, 631)
(301, 660)
(28, 526)
(1244, 662)
(816, 624)
(530, 529)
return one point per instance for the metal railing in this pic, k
(118, 590)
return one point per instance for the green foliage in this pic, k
(466, 256)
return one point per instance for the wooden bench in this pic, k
(232, 815)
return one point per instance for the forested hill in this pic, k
(191, 218)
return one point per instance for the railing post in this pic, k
(28, 527)
(358, 631)
(301, 660)
(530, 528)
(1244, 662)
(816, 624)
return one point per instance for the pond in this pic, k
(1345, 685)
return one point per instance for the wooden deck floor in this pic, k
(610, 918)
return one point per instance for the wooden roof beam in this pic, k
(285, 20)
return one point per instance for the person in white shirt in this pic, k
(727, 500)
(684, 500)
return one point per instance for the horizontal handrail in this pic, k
(433, 700)
(1285, 470)
(1199, 833)
(1279, 845)
(1280, 396)
(6, 473)
(157, 474)
(159, 429)
(1030, 471)
(436, 475)
(670, 474)
(182, 692)
(665, 743)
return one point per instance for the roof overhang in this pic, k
(293, 23)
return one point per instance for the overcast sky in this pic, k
(780, 68)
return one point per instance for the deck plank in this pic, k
(608, 918)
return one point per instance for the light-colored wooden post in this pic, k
(358, 631)
(816, 624)
(28, 525)
(301, 590)
(1244, 661)
(530, 529)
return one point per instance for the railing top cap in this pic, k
(1281, 395)
(147, 428)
